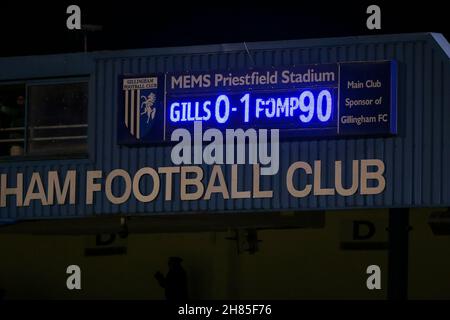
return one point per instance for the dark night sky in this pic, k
(40, 27)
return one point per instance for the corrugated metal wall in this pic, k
(417, 160)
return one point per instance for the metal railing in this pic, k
(69, 126)
(33, 129)
(12, 129)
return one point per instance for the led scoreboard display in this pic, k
(357, 98)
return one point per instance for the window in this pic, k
(51, 119)
(57, 119)
(12, 116)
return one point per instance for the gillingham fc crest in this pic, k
(141, 110)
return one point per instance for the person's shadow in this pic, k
(175, 281)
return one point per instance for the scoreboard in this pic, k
(340, 99)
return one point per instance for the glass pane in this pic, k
(12, 115)
(57, 119)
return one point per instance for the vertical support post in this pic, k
(398, 254)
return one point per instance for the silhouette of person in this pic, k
(175, 282)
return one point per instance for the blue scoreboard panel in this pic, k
(341, 99)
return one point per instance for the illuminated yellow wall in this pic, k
(291, 264)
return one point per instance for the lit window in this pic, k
(12, 118)
(49, 120)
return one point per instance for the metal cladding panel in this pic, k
(416, 159)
